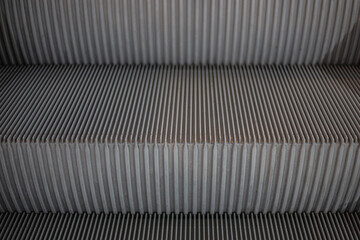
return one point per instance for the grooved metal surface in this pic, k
(122, 103)
(180, 31)
(136, 226)
(179, 139)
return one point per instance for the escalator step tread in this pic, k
(179, 226)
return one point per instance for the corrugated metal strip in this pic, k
(179, 31)
(137, 226)
(241, 104)
(150, 177)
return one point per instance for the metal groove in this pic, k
(180, 226)
(180, 32)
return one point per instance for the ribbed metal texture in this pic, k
(179, 139)
(180, 31)
(244, 226)
(271, 104)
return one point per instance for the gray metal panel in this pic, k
(179, 177)
(246, 104)
(244, 226)
(179, 139)
(179, 31)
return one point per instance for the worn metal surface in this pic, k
(180, 31)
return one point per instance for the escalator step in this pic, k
(133, 138)
(180, 226)
(180, 32)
